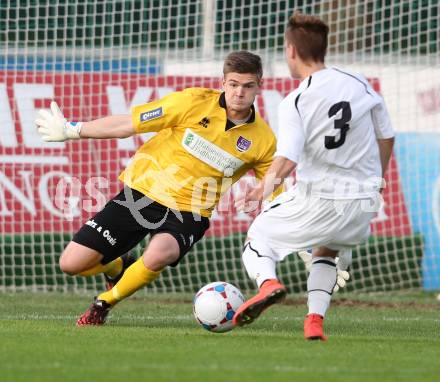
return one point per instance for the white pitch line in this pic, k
(197, 367)
(23, 317)
(124, 317)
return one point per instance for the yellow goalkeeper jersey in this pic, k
(197, 153)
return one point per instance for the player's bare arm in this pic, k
(278, 171)
(54, 127)
(385, 150)
(114, 126)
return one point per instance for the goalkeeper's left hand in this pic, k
(342, 275)
(341, 278)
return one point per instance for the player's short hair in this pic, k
(243, 61)
(309, 35)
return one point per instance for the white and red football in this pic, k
(215, 304)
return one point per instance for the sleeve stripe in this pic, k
(357, 79)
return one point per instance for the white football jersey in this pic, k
(329, 126)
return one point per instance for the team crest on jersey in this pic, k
(204, 122)
(152, 114)
(243, 144)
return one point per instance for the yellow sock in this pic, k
(135, 277)
(112, 269)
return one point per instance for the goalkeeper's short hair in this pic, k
(243, 61)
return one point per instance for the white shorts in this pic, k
(293, 222)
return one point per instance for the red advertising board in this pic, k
(47, 187)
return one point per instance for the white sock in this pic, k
(258, 263)
(320, 284)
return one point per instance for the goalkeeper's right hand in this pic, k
(53, 127)
(342, 275)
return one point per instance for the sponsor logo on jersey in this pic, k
(243, 144)
(188, 139)
(152, 114)
(210, 153)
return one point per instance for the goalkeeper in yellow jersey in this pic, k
(206, 140)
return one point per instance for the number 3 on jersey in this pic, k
(341, 124)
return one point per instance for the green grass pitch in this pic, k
(155, 338)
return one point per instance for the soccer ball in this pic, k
(215, 304)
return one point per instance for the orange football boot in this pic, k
(313, 327)
(271, 292)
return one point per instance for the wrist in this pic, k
(73, 130)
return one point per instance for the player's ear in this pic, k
(260, 85)
(223, 82)
(294, 51)
(290, 51)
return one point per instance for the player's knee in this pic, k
(163, 250)
(69, 262)
(156, 260)
(67, 265)
(325, 252)
(77, 258)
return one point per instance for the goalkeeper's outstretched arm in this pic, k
(53, 127)
(114, 126)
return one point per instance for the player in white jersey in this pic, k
(334, 129)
